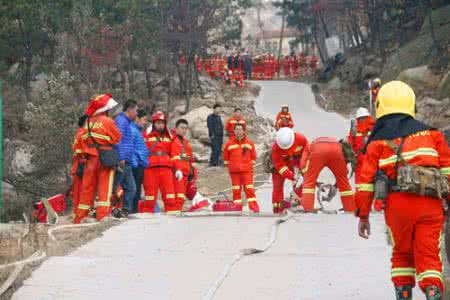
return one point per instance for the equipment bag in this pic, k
(418, 180)
(108, 156)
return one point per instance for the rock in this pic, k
(444, 86)
(369, 71)
(13, 69)
(204, 139)
(198, 147)
(180, 109)
(419, 78)
(38, 85)
(430, 102)
(351, 70)
(335, 84)
(200, 113)
(17, 158)
(208, 96)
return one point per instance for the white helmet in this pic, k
(285, 138)
(362, 112)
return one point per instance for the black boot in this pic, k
(433, 293)
(403, 292)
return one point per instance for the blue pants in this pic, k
(126, 181)
(216, 151)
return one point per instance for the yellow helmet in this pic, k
(395, 97)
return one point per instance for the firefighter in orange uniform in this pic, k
(358, 137)
(237, 118)
(78, 163)
(159, 175)
(325, 152)
(287, 67)
(99, 131)
(302, 62)
(286, 156)
(414, 219)
(313, 64)
(284, 118)
(182, 160)
(239, 155)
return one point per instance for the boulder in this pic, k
(17, 158)
(419, 78)
(335, 84)
(370, 71)
(430, 102)
(39, 85)
(444, 87)
(198, 114)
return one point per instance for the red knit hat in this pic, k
(100, 104)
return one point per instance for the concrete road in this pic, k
(159, 257)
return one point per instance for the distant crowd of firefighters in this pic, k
(234, 68)
(162, 161)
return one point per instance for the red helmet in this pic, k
(159, 116)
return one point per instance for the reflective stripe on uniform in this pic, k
(299, 148)
(365, 187)
(283, 169)
(176, 157)
(397, 272)
(249, 186)
(170, 196)
(97, 136)
(247, 146)
(110, 185)
(225, 162)
(102, 204)
(409, 155)
(430, 274)
(305, 169)
(237, 201)
(84, 207)
(153, 139)
(149, 198)
(231, 147)
(276, 205)
(346, 193)
(445, 171)
(78, 151)
(236, 187)
(181, 196)
(251, 200)
(308, 191)
(173, 212)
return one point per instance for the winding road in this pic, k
(158, 257)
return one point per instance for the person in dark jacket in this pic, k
(215, 131)
(140, 157)
(124, 174)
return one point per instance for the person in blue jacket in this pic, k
(126, 149)
(140, 156)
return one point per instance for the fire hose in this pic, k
(242, 253)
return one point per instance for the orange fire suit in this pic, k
(239, 157)
(182, 159)
(159, 175)
(97, 178)
(77, 158)
(233, 121)
(287, 67)
(325, 152)
(414, 222)
(284, 162)
(358, 142)
(295, 63)
(279, 123)
(303, 64)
